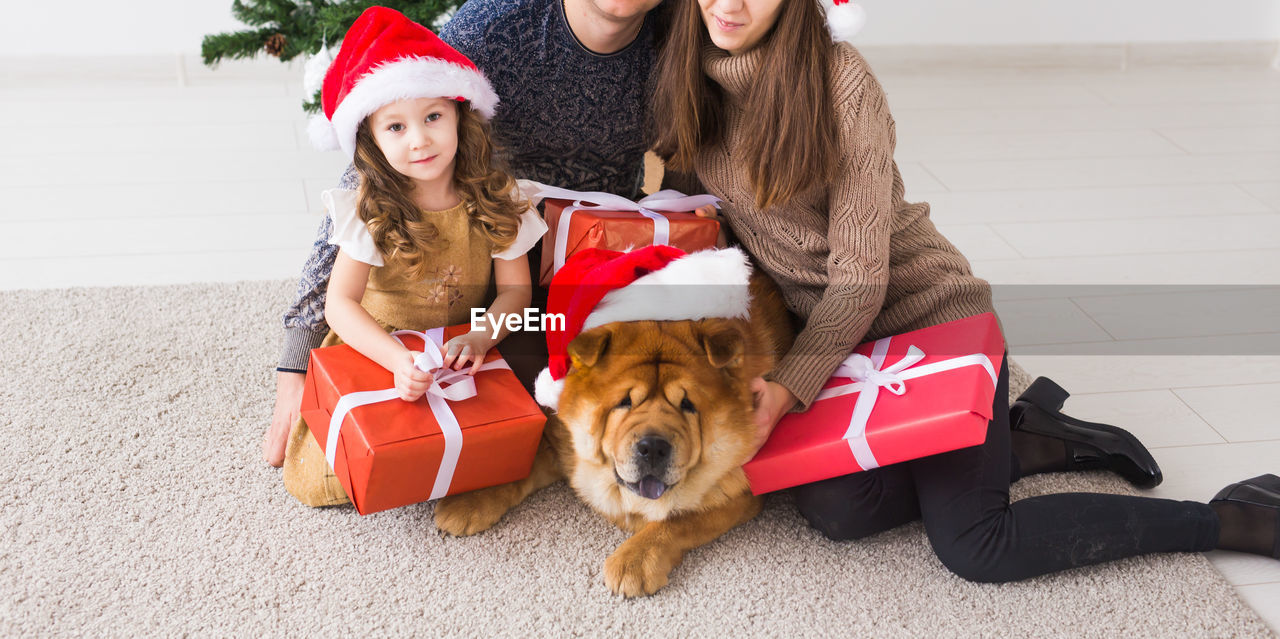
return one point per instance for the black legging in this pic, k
(963, 498)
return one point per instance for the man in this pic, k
(572, 76)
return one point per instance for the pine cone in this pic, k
(275, 44)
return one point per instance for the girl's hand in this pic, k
(468, 346)
(773, 400)
(411, 382)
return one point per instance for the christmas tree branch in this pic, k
(290, 28)
(234, 46)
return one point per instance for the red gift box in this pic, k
(921, 393)
(392, 453)
(604, 221)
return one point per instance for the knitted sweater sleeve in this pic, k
(860, 209)
(305, 326)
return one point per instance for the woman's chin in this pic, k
(734, 43)
(723, 41)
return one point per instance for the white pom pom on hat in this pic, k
(322, 134)
(845, 19)
(547, 389)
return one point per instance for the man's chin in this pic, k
(624, 10)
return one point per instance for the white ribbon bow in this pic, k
(461, 386)
(869, 378)
(670, 201)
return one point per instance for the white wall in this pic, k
(1069, 21)
(94, 27)
(148, 27)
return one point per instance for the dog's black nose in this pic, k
(653, 451)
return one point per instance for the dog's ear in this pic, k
(585, 349)
(724, 347)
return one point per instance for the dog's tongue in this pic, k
(651, 487)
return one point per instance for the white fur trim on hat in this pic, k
(844, 20)
(700, 285)
(547, 390)
(405, 79)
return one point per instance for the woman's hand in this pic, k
(411, 382)
(471, 347)
(710, 211)
(773, 400)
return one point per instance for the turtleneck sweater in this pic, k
(854, 261)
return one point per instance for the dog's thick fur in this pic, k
(682, 382)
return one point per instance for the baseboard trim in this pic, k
(186, 68)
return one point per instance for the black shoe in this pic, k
(1263, 490)
(1089, 446)
(1252, 506)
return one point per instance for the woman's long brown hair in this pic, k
(398, 228)
(791, 143)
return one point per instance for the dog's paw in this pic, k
(471, 513)
(638, 568)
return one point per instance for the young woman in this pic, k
(794, 133)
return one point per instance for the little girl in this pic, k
(432, 216)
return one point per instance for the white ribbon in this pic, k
(869, 378)
(461, 386)
(670, 201)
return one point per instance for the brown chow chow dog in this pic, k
(654, 422)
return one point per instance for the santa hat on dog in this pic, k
(660, 283)
(386, 57)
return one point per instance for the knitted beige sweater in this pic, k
(854, 261)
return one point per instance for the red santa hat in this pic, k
(661, 283)
(386, 57)
(844, 18)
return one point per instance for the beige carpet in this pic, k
(136, 503)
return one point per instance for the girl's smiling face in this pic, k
(419, 138)
(738, 25)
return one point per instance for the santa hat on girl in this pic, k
(844, 18)
(386, 57)
(660, 283)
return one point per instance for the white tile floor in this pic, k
(157, 171)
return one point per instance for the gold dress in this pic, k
(457, 281)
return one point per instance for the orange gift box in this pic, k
(389, 453)
(599, 227)
(903, 397)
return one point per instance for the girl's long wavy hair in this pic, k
(397, 225)
(791, 145)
